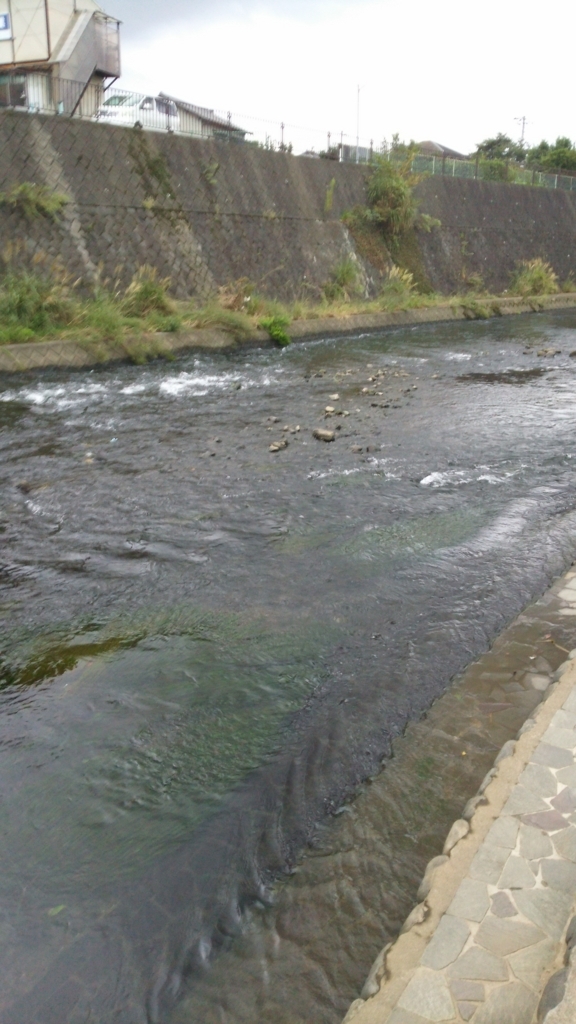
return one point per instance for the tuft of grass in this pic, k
(474, 310)
(236, 323)
(237, 295)
(16, 335)
(166, 324)
(34, 200)
(34, 302)
(474, 284)
(102, 317)
(276, 327)
(398, 289)
(147, 293)
(534, 277)
(344, 283)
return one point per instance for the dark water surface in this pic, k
(207, 646)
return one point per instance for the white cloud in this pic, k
(448, 71)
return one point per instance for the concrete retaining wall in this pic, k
(206, 213)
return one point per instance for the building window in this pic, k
(13, 91)
(5, 28)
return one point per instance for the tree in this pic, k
(559, 156)
(502, 147)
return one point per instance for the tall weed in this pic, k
(398, 289)
(345, 282)
(534, 277)
(147, 293)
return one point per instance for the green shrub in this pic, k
(534, 277)
(497, 170)
(147, 293)
(389, 191)
(35, 302)
(34, 200)
(276, 327)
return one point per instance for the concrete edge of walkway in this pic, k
(477, 948)
(39, 355)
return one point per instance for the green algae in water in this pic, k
(134, 737)
(415, 535)
(400, 539)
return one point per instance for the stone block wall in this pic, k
(488, 227)
(207, 213)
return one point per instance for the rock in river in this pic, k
(324, 435)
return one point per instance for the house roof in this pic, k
(435, 149)
(204, 114)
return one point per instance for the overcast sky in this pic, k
(447, 70)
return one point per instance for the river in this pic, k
(207, 645)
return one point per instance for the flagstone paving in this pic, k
(503, 934)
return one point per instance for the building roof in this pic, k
(435, 149)
(205, 114)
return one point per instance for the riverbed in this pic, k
(208, 645)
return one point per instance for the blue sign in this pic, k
(4, 22)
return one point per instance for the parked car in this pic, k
(140, 111)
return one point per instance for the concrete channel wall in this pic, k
(208, 213)
(492, 939)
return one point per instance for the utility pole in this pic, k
(358, 127)
(522, 121)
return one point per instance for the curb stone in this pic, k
(485, 945)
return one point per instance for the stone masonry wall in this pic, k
(206, 213)
(488, 227)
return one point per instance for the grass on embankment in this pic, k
(37, 305)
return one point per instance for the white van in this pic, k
(140, 111)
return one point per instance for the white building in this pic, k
(55, 55)
(202, 121)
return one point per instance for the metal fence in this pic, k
(491, 171)
(42, 93)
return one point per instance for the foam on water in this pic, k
(460, 477)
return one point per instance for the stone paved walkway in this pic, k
(502, 936)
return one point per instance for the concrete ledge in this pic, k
(490, 927)
(73, 354)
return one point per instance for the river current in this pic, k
(207, 646)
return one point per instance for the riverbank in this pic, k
(80, 354)
(491, 938)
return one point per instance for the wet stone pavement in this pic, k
(504, 932)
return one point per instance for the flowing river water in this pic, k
(207, 647)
